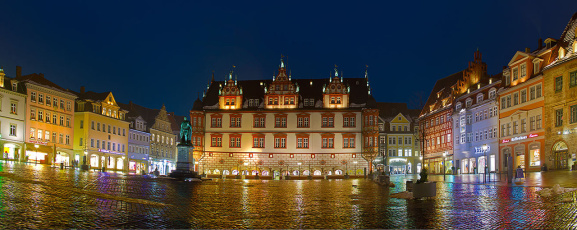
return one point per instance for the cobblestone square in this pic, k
(39, 196)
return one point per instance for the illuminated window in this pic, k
(515, 74)
(33, 96)
(558, 84)
(12, 129)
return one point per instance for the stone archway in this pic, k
(561, 155)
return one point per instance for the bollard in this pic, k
(61, 165)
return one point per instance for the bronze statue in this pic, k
(185, 132)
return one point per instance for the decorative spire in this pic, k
(281, 61)
(290, 74)
(336, 71)
(230, 75)
(366, 71)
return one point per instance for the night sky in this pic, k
(153, 52)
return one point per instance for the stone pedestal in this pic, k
(183, 164)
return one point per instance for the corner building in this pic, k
(286, 127)
(560, 88)
(12, 118)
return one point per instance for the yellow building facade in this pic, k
(101, 132)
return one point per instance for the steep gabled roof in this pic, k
(443, 89)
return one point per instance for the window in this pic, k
(538, 89)
(32, 114)
(479, 98)
(55, 102)
(573, 110)
(62, 120)
(508, 101)
(348, 121)
(492, 93)
(48, 100)
(515, 127)
(523, 96)
(303, 121)
(67, 121)
(258, 142)
(523, 70)
(235, 121)
(469, 119)
(280, 142)
(41, 98)
(328, 142)
(39, 134)
(234, 141)
(12, 129)
(40, 116)
(559, 84)
(216, 122)
(348, 141)
(458, 106)
(558, 117)
(13, 107)
(216, 141)
(523, 125)
(515, 73)
(53, 137)
(515, 98)
(536, 67)
(302, 142)
(503, 103)
(53, 118)
(259, 121)
(328, 121)
(573, 78)
(538, 121)
(532, 123)
(61, 104)
(280, 121)
(33, 96)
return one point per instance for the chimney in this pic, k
(540, 43)
(527, 50)
(82, 89)
(18, 71)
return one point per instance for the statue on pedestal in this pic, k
(185, 132)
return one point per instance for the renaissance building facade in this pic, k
(285, 127)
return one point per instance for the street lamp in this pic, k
(36, 146)
(299, 163)
(485, 147)
(354, 162)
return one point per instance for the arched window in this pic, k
(479, 98)
(492, 93)
(458, 106)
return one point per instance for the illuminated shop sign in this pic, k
(480, 149)
(519, 138)
(398, 160)
(108, 151)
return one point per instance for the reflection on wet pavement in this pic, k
(43, 197)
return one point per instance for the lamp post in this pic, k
(299, 163)
(485, 147)
(354, 162)
(36, 148)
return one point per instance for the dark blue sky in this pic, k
(153, 52)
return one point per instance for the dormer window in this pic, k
(515, 73)
(469, 102)
(561, 52)
(523, 70)
(14, 86)
(492, 93)
(536, 67)
(458, 106)
(479, 98)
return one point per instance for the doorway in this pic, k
(561, 155)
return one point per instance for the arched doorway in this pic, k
(561, 155)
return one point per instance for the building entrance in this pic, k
(561, 155)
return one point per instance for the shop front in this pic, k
(398, 166)
(38, 153)
(138, 163)
(524, 151)
(11, 151)
(163, 166)
(107, 160)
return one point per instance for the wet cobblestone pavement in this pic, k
(43, 197)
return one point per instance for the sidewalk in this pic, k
(547, 179)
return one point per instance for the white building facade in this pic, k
(12, 115)
(476, 125)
